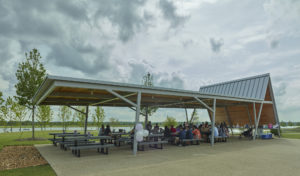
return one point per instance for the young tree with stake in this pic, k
(30, 75)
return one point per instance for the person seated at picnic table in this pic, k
(247, 133)
(173, 130)
(196, 132)
(149, 126)
(216, 131)
(189, 133)
(101, 131)
(205, 131)
(156, 129)
(167, 132)
(182, 135)
(107, 131)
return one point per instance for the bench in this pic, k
(184, 141)
(150, 143)
(219, 139)
(67, 144)
(123, 139)
(76, 149)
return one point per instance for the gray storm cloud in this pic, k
(216, 45)
(169, 12)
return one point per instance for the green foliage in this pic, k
(64, 115)
(113, 121)
(170, 121)
(44, 170)
(195, 117)
(19, 113)
(6, 111)
(275, 132)
(99, 116)
(80, 116)
(1, 99)
(148, 81)
(44, 115)
(30, 75)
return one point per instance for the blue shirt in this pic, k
(182, 134)
(189, 134)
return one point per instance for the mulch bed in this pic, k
(12, 157)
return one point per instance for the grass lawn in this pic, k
(291, 135)
(7, 139)
(43, 170)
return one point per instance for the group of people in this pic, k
(104, 131)
(190, 131)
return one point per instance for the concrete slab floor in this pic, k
(236, 157)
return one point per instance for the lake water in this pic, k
(3, 130)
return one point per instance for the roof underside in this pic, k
(70, 91)
(250, 88)
(237, 96)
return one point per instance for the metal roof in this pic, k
(250, 88)
(57, 90)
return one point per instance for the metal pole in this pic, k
(213, 124)
(274, 107)
(228, 118)
(254, 115)
(258, 118)
(86, 119)
(249, 116)
(186, 116)
(137, 115)
(146, 117)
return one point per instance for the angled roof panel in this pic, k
(252, 87)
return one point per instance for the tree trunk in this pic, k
(33, 122)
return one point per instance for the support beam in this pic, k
(209, 115)
(135, 110)
(193, 113)
(86, 119)
(212, 140)
(205, 105)
(229, 119)
(118, 97)
(186, 116)
(249, 116)
(274, 107)
(76, 109)
(146, 117)
(258, 118)
(137, 115)
(254, 115)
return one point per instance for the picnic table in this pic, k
(54, 136)
(75, 145)
(117, 137)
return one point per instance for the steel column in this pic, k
(137, 115)
(249, 116)
(274, 107)
(186, 116)
(257, 121)
(228, 118)
(86, 119)
(146, 117)
(212, 140)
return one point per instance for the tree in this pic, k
(80, 116)
(64, 115)
(99, 116)
(19, 113)
(148, 81)
(113, 121)
(44, 115)
(30, 75)
(7, 111)
(170, 121)
(1, 99)
(195, 117)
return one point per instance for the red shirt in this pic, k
(173, 130)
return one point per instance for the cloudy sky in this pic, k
(184, 43)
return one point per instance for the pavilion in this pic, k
(244, 101)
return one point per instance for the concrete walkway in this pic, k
(236, 157)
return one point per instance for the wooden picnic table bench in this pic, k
(98, 146)
(54, 137)
(219, 138)
(122, 139)
(184, 141)
(150, 143)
